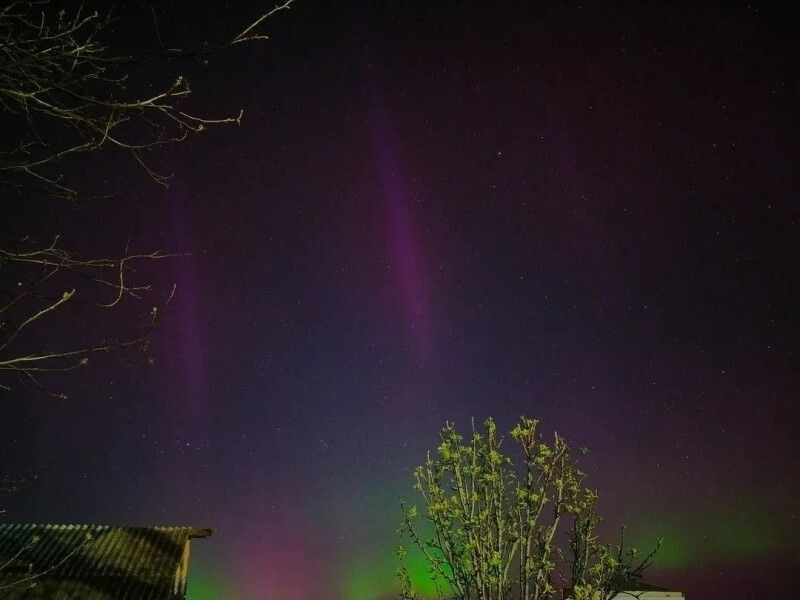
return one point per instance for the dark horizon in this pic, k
(440, 212)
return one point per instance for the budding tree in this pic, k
(499, 530)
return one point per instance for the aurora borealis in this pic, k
(444, 210)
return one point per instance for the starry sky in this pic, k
(436, 211)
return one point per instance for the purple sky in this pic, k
(438, 211)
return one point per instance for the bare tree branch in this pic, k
(102, 275)
(76, 95)
(67, 93)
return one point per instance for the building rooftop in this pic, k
(94, 562)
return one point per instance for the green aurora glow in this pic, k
(203, 584)
(727, 537)
(370, 577)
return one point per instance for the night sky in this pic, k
(435, 211)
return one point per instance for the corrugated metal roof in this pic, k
(94, 562)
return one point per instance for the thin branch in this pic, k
(64, 298)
